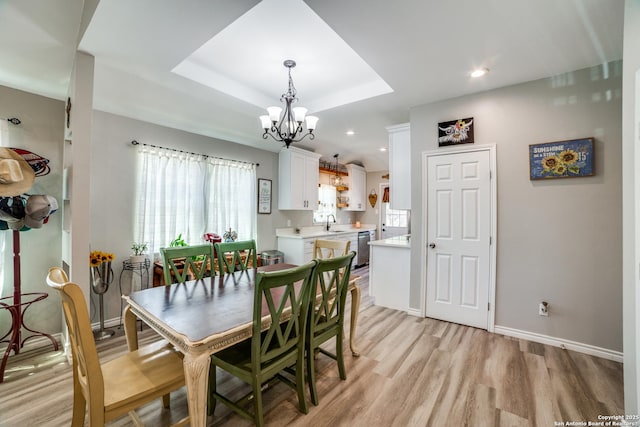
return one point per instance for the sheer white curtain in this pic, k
(188, 194)
(232, 198)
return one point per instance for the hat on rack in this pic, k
(38, 209)
(12, 211)
(16, 176)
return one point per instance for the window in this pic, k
(190, 194)
(396, 217)
(326, 204)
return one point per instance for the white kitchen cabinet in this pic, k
(298, 179)
(300, 250)
(296, 250)
(357, 188)
(399, 166)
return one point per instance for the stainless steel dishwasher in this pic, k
(363, 248)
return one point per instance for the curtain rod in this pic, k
(134, 142)
(13, 120)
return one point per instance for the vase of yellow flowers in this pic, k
(101, 276)
(101, 272)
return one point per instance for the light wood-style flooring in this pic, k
(411, 372)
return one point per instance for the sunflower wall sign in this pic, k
(561, 159)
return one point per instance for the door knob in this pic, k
(432, 245)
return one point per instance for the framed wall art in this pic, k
(561, 159)
(264, 196)
(455, 132)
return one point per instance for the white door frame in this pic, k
(382, 186)
(491, 148)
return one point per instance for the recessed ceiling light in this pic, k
(350, 132)
(383, 149)
(479, 72)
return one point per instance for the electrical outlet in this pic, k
(543, 309)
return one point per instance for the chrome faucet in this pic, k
(334, 221)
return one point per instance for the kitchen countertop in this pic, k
(403, 241)
(319, 231)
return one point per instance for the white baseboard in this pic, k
(414, 312)
(561, 342)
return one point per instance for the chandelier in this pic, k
(287, 127)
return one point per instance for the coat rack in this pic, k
(18, 303)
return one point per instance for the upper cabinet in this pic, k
(399, 166)
(357, 188)
(298, 179)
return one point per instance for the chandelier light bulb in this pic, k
(311, 122)
(299, 113)
(274, 113)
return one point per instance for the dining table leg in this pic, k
(355, 309)
(196, 375)
(130, 330)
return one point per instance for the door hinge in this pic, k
(490, 174)
(490, 240)
(488, 306)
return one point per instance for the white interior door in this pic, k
(458, 194)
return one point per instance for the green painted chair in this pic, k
(326, 320)
(281, 304)
(184, 263)
(234, 256)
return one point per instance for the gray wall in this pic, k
(41, 132)
(557, 240)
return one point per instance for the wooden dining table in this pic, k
(202, 317)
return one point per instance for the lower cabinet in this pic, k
(300, 251)
(389, 270)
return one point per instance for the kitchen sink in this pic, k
(336, 231)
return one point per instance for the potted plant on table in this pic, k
(178, 242)
(139, 250)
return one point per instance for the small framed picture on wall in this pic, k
(456, 132)
(264, 196)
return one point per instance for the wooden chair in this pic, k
(186, 262)
(330, 248)
(282, 303)
(117, 387)
(231, 259)
(326, 320)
